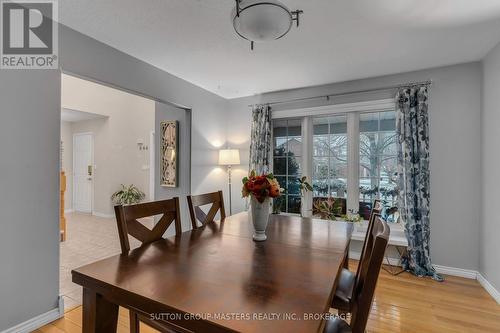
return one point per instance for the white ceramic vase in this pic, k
(260, 217)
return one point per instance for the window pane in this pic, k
(321, 145)
(367, 166)
(338, 188)
(378, 161)
(338, 146)
(282, 181)
(279, 204)
(320, 167)
(294, 146)
(389, 167)
(338, 170)
(338, 124)
(287, 139)
(388, 192)
(293, 166)
(293, 186)
(280, 146)
(320, 188)
(294, 204)
(279, 166)
(330, 161)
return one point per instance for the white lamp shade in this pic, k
(262, 21)
(229, 157)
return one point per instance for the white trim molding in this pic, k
(68, 211)
(452, 271)
(488, 287)
(460, 272)
(40, 320)
(367, 106)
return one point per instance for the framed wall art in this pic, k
(169, 131)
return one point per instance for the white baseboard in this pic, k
(460, 272)
(67, 211)
(489, 287)
(103, 215)
(40, 320)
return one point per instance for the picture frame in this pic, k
(169, 153)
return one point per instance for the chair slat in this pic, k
(198, 215)
(126, 218)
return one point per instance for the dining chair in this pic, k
(347, 279)
(126, 218)
(363, 294)
(198, 215)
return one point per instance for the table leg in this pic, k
(99, 315)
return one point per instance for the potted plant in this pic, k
(305, 187)
(128, 195)
(260, 189)
(327, 209)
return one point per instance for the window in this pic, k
(329, 164)
(287, 144)
(350, 155)
(377, 160)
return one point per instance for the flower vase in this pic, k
(260, 217)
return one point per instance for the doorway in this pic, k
(83, 152)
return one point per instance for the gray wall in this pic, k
(490, 159)
(168, 113)
(455, 103)
(29, 200)
(29, 168)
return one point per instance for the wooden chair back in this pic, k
(197, 214)
(363, 294)
(126, 218)
(376, 210)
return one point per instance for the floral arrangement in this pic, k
(261, 187)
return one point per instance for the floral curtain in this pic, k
(260, 144)
(412, 126)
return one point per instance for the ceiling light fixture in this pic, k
(263, 21)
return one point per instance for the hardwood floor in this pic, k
(404, 304)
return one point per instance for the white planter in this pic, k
(260, 218)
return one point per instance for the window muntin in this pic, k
(329, 164)
(377, 159)
(287, 158)
(375, 175)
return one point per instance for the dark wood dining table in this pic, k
(217, 279)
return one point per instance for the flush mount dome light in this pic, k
(263, 21)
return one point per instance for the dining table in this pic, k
(217, 279)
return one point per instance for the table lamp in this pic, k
(229, 157)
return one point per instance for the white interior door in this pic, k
(82, 172)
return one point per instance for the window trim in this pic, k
(353, 111)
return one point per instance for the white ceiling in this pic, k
(73, 116)
(338, 40)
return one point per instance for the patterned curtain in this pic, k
(412, 125)
(260, 144)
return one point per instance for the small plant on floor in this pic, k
(353, 216)
(128, 195)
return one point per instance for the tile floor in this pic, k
(89, 239)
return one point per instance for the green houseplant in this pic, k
(128, 195)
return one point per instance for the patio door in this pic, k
(83, 172)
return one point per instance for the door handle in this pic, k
(90, 178)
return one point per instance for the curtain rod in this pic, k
(408, 84)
